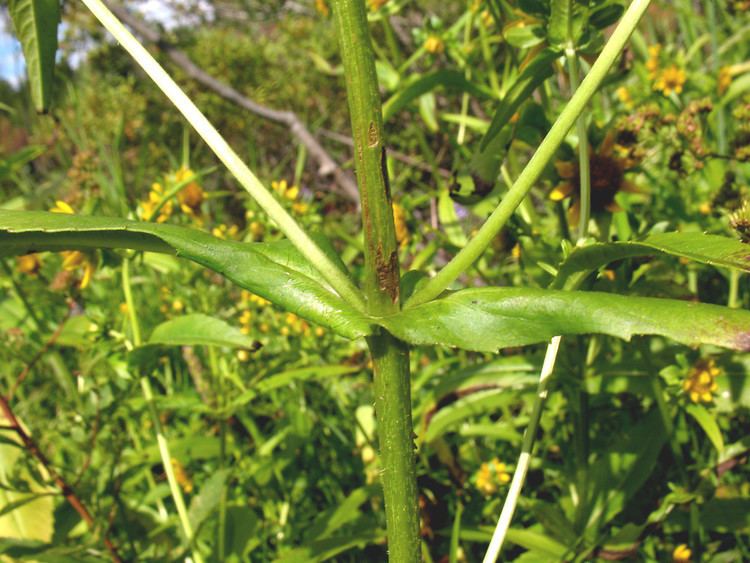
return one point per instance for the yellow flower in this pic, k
(624, 96)
(62, 207)
(490, 476)
(681, 554)
(322, 7)
(192, 195)
(243, 355)
(284, 190)
(29, 264)
(256, 230)
(223, 232)
(607, 179)
(181, 476)
(248, 296)
(75, 259)
(700, 384)
(246, 319)
(670, 80)
(434, 45)
(652, 64)
(375, 5)
(148, 207)
(399, 221)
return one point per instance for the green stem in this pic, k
(584, 163)
(390, 357)
(161, 439)
(527, 447)
(721, 122)
(286, 223)
(476, 246)
(734, 289)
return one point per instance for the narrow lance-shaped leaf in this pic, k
(199, 330)
(707, 249)
(421, 85)
(485, 164)
(251, 266)
(35, 25)
(488, 319)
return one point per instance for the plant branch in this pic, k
(327, 166)
(527, 448)
(286, 223)
(70, 495)
(526, 180)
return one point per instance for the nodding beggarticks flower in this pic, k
(700, 384)
(434, 44)
(223, 232)
(740, 222)
(322, 7)
(652, 64)
(285, 190)
(607, 178)
(670, 80)
(75, 259)
(375, 5)
(491, 476)
(682, 554)
(147, 208)
(192, 195)
(29, 264)
(181, 476)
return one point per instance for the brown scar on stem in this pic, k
(373, 136)
(387, 272)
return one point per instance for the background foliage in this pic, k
(272, 428)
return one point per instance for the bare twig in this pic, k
(43, 350)
(401, 157)
(327, 166)
(67, 490)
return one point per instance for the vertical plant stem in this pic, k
(390, 357)
(734, 289)
(584, 162)
(477, 245)
(286, 223)
(161, 439)
(522, 467)
(721, 121)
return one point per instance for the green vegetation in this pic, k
(377, 280)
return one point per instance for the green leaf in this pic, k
(707, 249)
(332, 520)
(325, 549)
(485, 164)
(271, 271)
(559, 21)
(420, 85)
(197, 330)
(487, 319)
(449, 221)
(24, 515)
(618, 474)
(35, 25)
(206, 501)
(708, 422)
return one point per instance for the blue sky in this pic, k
(11, 57)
